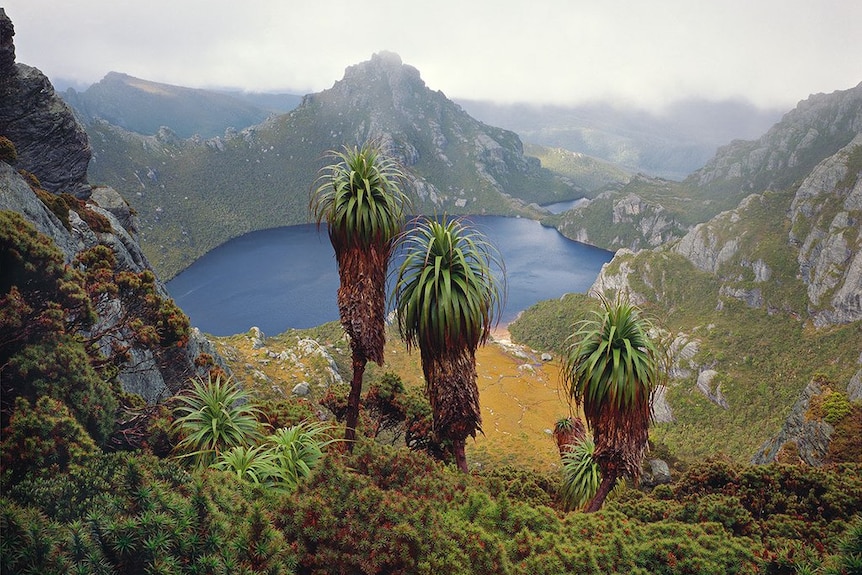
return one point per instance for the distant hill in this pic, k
(671, 144)
(142, 106)
(275, 103)
(194, 194)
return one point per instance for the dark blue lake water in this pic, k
(287, 277)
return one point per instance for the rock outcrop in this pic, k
(826, 216)
(50, 142)
(811, 437)
(618, 219)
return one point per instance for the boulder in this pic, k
(656, 472)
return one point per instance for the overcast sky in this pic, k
(647, 53)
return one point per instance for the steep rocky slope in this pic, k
(54, 148)
(817, 128)
(769, 295)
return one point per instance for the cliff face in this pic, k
(52, 145)
(825, 217)
(29, 111)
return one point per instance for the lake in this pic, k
(287, 277)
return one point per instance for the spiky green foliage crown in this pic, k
(612, 361)
(447, 294)
(359, 195)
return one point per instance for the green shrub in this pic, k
(214, 416)
(581, 475)
(43, 438)
(61, 369)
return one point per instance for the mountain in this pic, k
(194, 194)
(761, 304)
(668, 144)
(646, 212)
(142, 106)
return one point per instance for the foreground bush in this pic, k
(387, 510)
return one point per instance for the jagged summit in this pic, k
(818, 127)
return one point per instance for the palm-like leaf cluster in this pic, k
(220, 429)
(447, 298)
(447, 293)
(581, 474)
(298, 450)
(213, 416)
(611, 369)
(612, 362)
(359, 197)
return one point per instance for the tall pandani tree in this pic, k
(611, 368)
(359, 196)
(447, 297)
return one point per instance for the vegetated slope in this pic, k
(143, 106)
(191, 195)
(586, 174)
(669, 144)
(757, 302)
(648, 211)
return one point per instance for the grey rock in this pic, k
(661, 410)
(110, 200)
(51, 144)
(811, 437)
(657, 472)
(258, 339)
(301, 389)
(547, 356)
(704, 385)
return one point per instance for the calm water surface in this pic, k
(287, 277)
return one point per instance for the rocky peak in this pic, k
(50, 142)
(818, 127)
(453, 159)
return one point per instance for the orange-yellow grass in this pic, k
(519, 405)
(520, 401)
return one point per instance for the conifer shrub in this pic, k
(278, 413)
(60, 368)
(846, 442)
(521, 484)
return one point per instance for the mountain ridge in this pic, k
(260, 176)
